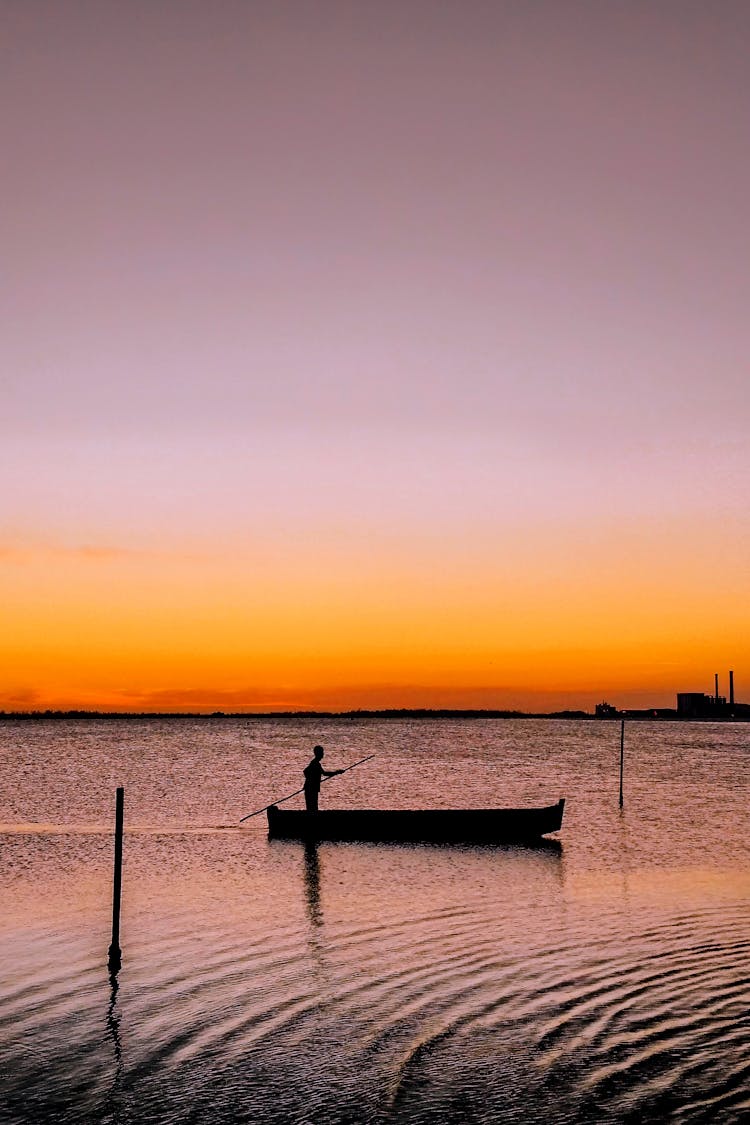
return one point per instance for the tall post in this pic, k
(115, 953)
(622, 755)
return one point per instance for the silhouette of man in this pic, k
(314, 773)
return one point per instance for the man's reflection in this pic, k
(312, 883)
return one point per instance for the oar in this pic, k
(281, 800)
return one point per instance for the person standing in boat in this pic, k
(314, 774)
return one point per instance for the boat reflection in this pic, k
(536, 857)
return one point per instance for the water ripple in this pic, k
(359, 984)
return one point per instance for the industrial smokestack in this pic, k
(716, 690)
(731, 689)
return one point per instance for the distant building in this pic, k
(695, 704)
(605, 711)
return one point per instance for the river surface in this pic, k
(603, 978)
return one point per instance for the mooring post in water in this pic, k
(622, 755)
(115, 953)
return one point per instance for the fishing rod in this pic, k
(296, 791)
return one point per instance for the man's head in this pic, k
(318, 751)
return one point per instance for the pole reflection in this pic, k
(113, 1029)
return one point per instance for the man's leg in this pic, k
(311, 800)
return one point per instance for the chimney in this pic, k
(716, 691)
(731, 689)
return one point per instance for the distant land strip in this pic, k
(651, 713)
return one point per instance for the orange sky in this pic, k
(297, 626)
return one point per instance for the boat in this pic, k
(471, 826)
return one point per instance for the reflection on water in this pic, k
(601, 979)
(312, 882)
(113, 1027)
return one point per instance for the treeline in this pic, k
(386, 713)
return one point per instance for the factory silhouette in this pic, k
(690, 705)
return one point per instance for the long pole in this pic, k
(281, 800)
(115, 953)
(622, 756)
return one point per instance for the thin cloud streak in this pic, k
(93, 553)
(377, 697)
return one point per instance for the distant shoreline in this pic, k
(653, 714)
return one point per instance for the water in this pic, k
(605, 978)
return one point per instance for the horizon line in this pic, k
(354, 713)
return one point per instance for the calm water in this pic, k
(606, 978)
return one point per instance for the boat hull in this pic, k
(417, 825)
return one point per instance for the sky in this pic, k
(373, 355)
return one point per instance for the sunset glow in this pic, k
(390, 359)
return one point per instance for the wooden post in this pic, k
(115, 953)
(622, 755)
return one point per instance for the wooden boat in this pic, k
(428, 825)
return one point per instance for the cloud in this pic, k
(104, 554)
(375, 696)
(21, 699)
(89, 552)
(207, 698)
